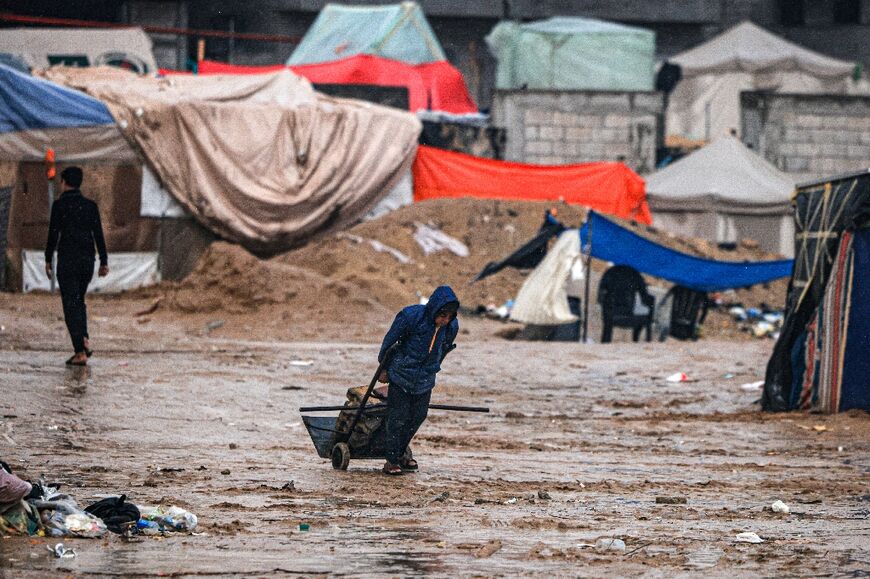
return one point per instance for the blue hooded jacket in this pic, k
(422, 343)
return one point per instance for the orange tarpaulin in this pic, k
(608, 187)
(436, 86)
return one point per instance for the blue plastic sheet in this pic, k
(611, 242)
(854, 391)
(33, 103)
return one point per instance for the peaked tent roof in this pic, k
(724, 174)
(396, 31)
(573, 53)
(750, 48)
(33, 103)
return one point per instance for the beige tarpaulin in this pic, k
(262, 160)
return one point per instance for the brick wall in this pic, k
(808, 136)
(562, 127)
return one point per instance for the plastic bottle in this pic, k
(148, 527)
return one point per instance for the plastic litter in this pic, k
(378, 246)
(511, 501)
(678, 377)
(752, 385)
(433, 240)
(169, 519)
(302, 363)
(779, 507)
(748, 537)
(62, 517)
(609, 544)
(62, 552)
(304, 527)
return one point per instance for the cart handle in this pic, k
(382, 406)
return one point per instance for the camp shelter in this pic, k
(724, 192)
(706, 102)
(610, 187)
(436, 86)
(820, 360)
(261, 160)
(129, 48)
(572, 53)
(36, 115)
(395, 31)
(542, 300)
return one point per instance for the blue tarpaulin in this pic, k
(32, 103)
(611, 242)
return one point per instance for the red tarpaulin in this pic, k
(608, 187)
(436, 86)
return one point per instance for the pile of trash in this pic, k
(40, 509)
(760, 322)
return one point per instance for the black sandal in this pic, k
(409, 465)
(89, 353)
(392, 469)
(73, 362)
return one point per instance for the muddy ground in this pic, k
(580, 443)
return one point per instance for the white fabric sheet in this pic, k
(543, 299)
(126, 271)
(157, 201)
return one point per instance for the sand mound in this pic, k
(345, 277)
(229, 279)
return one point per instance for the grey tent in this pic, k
(724, 192)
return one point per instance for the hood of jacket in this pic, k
(442, 296)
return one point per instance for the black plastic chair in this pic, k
(688, 311)
(616, 293)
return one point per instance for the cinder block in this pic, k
(649, 102)
(532, 132)
(609, 101)
(609, 135)
(552, 133)
(793, 164)
(538, 148)
(538, 117)
(614, 121)
(578, 133)
(860, 152)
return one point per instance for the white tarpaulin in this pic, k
(126, 271)
(706, 102)
(543, 299)
(157, 201)
(44, 47)
(400, 196)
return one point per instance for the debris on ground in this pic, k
(748, 537)
(779, 507)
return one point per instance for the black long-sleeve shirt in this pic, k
(75, 220)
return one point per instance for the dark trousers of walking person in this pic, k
(73, 278)
(405, 414)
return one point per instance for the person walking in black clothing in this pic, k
(74, 229)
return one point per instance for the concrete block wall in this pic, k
(563, 127)
(809, 136)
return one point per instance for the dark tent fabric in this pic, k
(529, 255)
(824, 211)
(612, 242)
(854, 391)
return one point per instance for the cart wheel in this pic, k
(340, 456)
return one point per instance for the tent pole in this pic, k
(588, 249)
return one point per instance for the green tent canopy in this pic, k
(573, 54)
(396, 31)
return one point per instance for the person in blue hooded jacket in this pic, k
(422, 336)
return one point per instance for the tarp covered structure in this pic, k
(543, 297)
(36, 114)
(262, 160)
(437, 86)
(706, 102)
(820, 360)
(395, 31)
(574, 53)
(724, 192)
(610, 187)
(43, 47)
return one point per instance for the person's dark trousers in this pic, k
(405, 414)
(73, 278)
